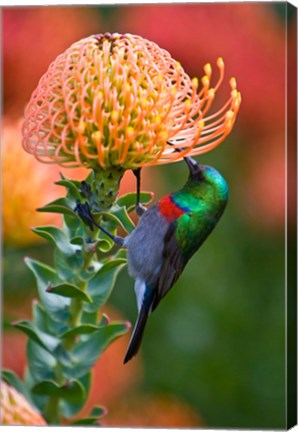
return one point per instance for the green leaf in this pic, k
(42, 363)
(81, 329)
(73, 187)
(70, 408)
(46, 341)
(105, 245)
(86, 352)
(97, 413)
(77, 241)
(39, 316)
(73, 391)
(87, 421)
(66, 266)
(39, 401)
(89, 318)
(69, 290)
(74, 225)
(121, 253)
(56, 307)
(101, 285)
(14, 381)
(61, 205)
(110, 218)
(124, 218)
(129, 200)
(44, 322)
(104, 320)
(56, 236)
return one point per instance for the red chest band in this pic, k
(169, 210)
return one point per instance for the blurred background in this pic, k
(214, 351)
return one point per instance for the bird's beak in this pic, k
(195, 169)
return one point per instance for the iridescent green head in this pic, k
(207, 181)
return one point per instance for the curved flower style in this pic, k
(121, 101)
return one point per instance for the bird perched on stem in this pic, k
(167, 236)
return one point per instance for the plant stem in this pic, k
(75, 309)
(105, 187)
(52, 411)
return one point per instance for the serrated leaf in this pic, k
(46, 341)
(61, 205)
(73, 391)
(129, 200)
(69, 290)
(14, 381)
(55, 306)
(101, 285)
(56, 236)
(42, 363)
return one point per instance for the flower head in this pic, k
(15, 410)
(121, 101)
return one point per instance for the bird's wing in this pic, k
(173, 265)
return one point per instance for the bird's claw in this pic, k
(140, 209)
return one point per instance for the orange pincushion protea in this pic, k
(120, 101)
(15, 410)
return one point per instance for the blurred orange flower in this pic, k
(265, 197)
(120, 100)
(26, 185)
(15, 410)
(153, 412)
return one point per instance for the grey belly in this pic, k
(145, 246)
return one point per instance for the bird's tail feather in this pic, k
(137, 335)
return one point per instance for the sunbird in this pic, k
(167, 235)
